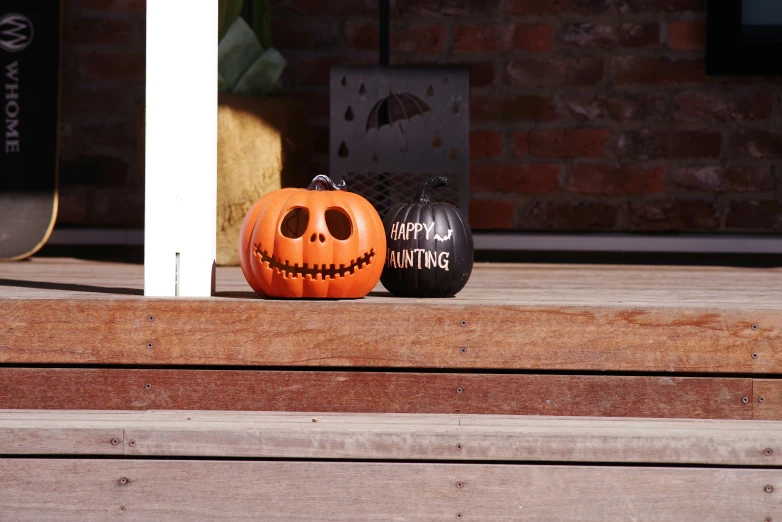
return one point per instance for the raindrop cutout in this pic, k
(343, 150)
(437, 141)
(362, 90)
(349, 114)
(344, 81)
(453, 154)
(430, 91)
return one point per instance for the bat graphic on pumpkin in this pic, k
(442, 239)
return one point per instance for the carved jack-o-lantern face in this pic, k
(315, 242)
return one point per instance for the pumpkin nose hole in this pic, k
(322, 238)
(312, 238)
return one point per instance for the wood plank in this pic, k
(375, 392)
(767, 399)
(32, 489)
(511, 284)
(391, 437)
(389, 333)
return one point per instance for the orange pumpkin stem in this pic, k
(321, 182)
(423, 196)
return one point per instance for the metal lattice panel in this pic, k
(391, 128)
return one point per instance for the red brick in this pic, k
(550, 7)
(490, 214)
(138, 6)
(563, 143)
(314, 71)
(423, 39)
(653, 145)
(514, 178)
(482, 38)
(114, 67)
(654, 6)
(557, 72)
(687, 36)
(534, 38)
(756, 143)
(485, 144)
(649, 70)
(569, 215)
(755, 215)
(671, 216)
(303, 34)
(521, 143)
(319, 7)
(109, 32)
(694, 107)
(512, 109)
(610, 36)
(362, 36)
(615, 180)
(447, 8)
(716, 178)
(481, 73)
(618, 107)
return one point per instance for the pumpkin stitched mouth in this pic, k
(331, 271)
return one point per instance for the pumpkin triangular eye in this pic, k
(338, 224)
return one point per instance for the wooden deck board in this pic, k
(649, 319)
(34, 489)
(376, 392)
(498, 284)
(390, 437)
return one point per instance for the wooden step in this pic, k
(510, 317)
(390, 437)
(316, 466)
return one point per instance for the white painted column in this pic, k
(181, 148)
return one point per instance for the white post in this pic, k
(181, 148)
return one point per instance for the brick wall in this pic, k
(102, 103)
(586, 114)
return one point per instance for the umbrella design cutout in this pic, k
(396, 107)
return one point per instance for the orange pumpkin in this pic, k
(321, 241)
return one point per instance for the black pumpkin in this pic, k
(430, 252)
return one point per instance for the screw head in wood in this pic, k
(122, 508)
(123, 480)
(132, 443)
(769, 488)
(459, 446)
(761, 399)
(768, 452)
(114, 442)
(459, 389)
(463, 322)
(754, 327)
(459, 515)
(754, 356)
(151, 318)
(767, 519)
(463, 350)
(745, 400)
(148, 386)
(149, 345)
(460, 484)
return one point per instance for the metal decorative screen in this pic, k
(393, 127)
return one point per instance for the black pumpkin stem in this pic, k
(321, 182)
(427, 186)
